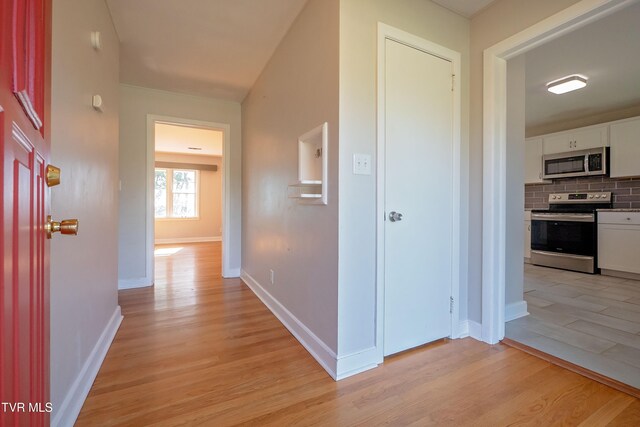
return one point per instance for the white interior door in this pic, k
(419, 186)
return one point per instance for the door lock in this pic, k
(395, 216)
(53, 176)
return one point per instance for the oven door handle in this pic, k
(563, 217)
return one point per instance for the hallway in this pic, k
(200, 350)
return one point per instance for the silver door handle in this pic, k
(395, 216)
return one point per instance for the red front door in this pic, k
(24, 137)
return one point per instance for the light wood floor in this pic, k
(590, 320)
(199, 350)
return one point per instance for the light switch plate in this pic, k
(362, 164)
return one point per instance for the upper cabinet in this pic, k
(533, 161)
(577, 139)
(625, 148)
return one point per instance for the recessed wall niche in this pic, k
(312, 166)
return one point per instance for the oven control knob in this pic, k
(554, 197)
(597, 196)
(591, 196)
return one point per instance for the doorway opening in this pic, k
(572, 316)
(187, 196)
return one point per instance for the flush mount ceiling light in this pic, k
(567, 84)
(194, 148)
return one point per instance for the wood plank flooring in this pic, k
(200, 350)
(589, 320)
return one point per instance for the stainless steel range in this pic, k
(565, 236)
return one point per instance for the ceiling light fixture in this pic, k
(567, 84)
(194, 148)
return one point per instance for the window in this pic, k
(176, 193)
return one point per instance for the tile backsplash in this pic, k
(626, 191)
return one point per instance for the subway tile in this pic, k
(635, 198)
(621, 205)
(602, 186)
(578, 187)
(622, 191)
(590, 179)
(626, 184)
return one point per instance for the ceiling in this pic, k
(214, 48)
(464, 7)
(606, 51)
(178, 139)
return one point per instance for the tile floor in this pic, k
(590, 320)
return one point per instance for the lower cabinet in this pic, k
(619, 242)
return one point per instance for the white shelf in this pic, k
(311, 182)
(310, 196)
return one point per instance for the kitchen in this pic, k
(581, 280)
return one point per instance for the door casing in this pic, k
(458, 249)
(494, 194)
(152, 119)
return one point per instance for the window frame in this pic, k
(169, 195)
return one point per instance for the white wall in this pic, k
(84, 300)
(594, 119)
(492, 25)
(357, 216)
(208, 225)
(135, 104)
(296, 92)
(516, 91)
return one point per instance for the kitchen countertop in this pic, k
(620, 210)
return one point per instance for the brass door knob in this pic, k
(67, 226)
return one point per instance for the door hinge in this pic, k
(450, 304)
(453, 82)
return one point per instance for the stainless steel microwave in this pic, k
(593, 161)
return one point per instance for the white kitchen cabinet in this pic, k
(533, 161)
(527, 236)
(625, 148)
(576, 139)
(619, 242)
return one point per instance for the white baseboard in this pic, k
(469, 328)
(180, 240)
(515, 310)
(142, 282)
(69, 410)
(232, 273)
(314, 345)
(355, 363)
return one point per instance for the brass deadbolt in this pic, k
(53, 175)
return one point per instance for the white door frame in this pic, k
(386, 32)
(495, 143)
(152, 119)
